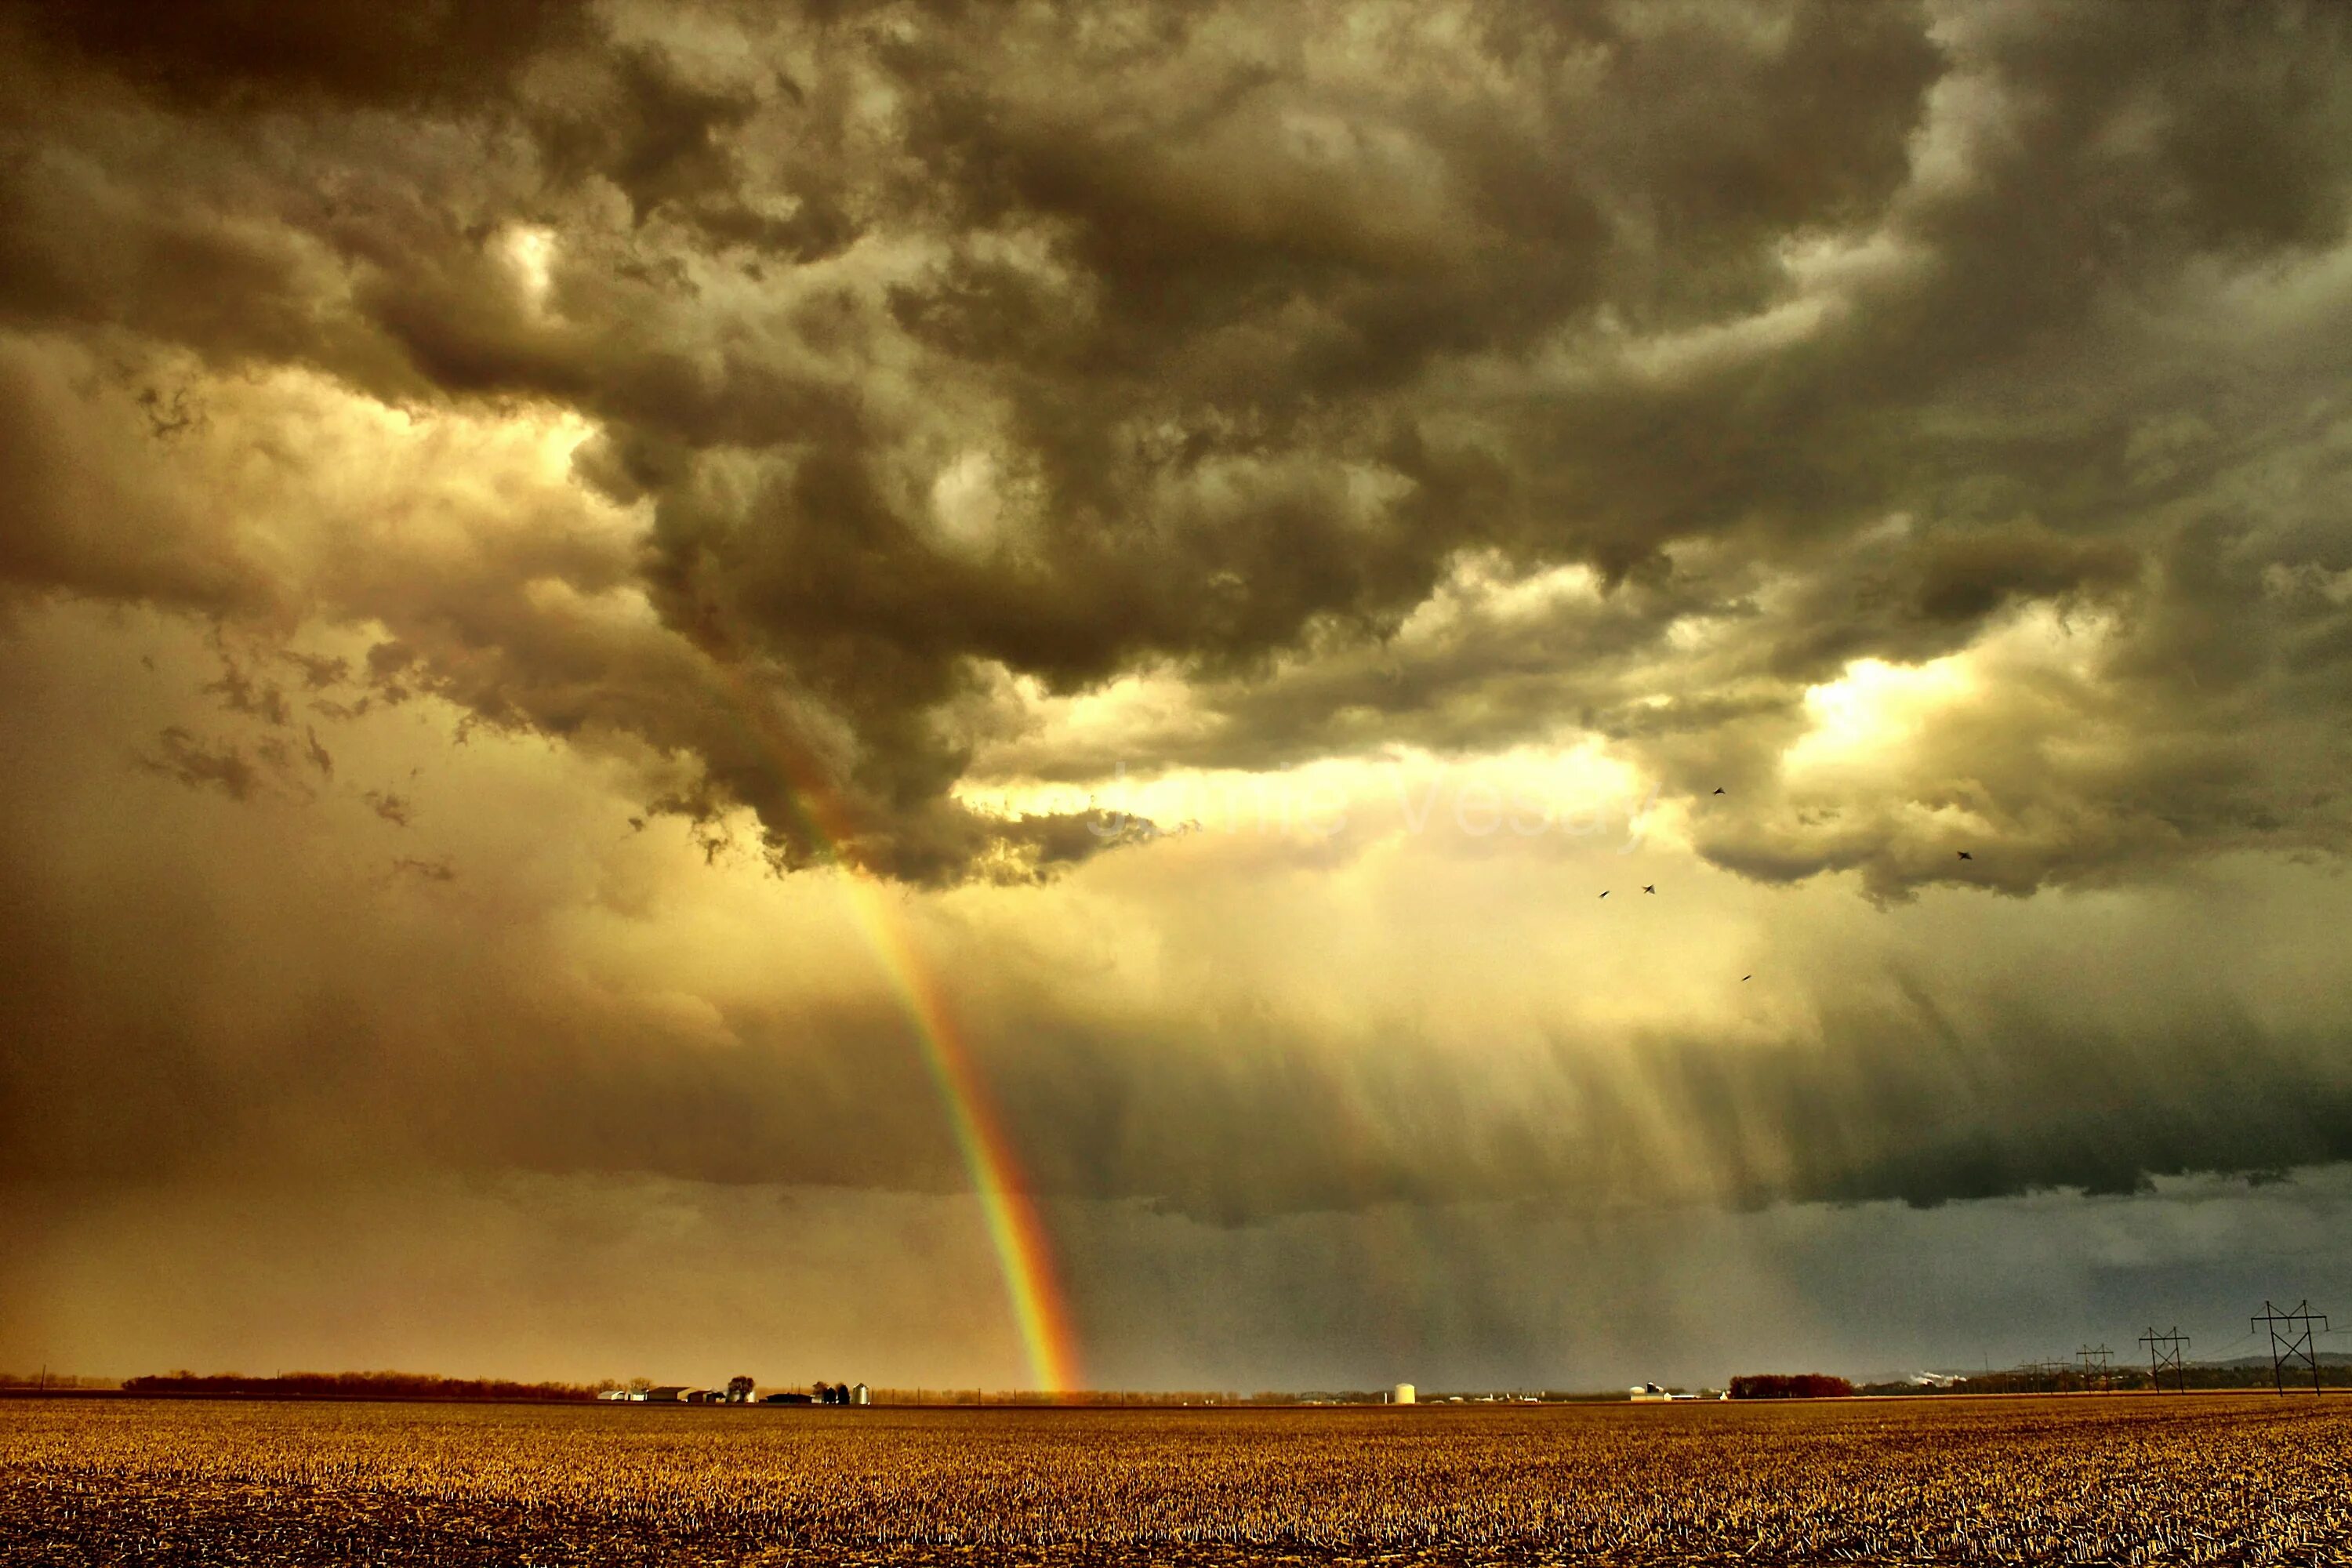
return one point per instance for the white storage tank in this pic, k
(1403, 1395)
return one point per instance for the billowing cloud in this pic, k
(924, 348)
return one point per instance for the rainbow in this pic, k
(1024, 1253)
(1023, 1250)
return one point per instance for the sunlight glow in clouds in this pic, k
(532, 253)
(1872, 711)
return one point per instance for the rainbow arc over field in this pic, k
(1023, 1250)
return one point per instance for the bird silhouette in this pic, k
(1604, 892)
(1966, 856)
(1718, 789)
(1748, 977)
(1649, 887)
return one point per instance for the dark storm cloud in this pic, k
(233, 54)
(1261, 329)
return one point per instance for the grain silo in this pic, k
(1403, 1395)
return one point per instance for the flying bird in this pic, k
(1604, 892)
(1649, 887)
(1966, 856)
(1718, 789)
(1748, 977)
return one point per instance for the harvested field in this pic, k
(2118, 1480)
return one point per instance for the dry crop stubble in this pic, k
(2120, 1480)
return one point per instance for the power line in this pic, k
(2053, 1373)
(2290, 1341)
(2094, 1362)
(2164, 1350)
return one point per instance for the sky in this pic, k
(1184, 695)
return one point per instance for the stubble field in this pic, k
(2117, 1480)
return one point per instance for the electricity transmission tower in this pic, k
(2164, 1350)
(2095, 1361)
(2290, 1341)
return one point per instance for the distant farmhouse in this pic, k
(839, 1394)
(739, 1391)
